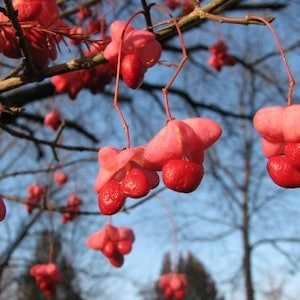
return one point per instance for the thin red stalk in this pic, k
(287, 67)
(51, 245)
(116, 94)
(165, 90)
(174, 262)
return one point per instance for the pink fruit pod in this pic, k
(112, 232)
(114, 163)
(97, 240)
(291, 123)
(177, 140)
(175, 282)
(117, 32)
(163, 281)
(144, 45)
(208, 131)
(126, 233)
(268, 122)
(270, 149)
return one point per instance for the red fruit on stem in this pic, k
(52, 119)
(135, 184)
(111, 198)
(292, 153)
(132, 71)
(283, 173)
(182, 175)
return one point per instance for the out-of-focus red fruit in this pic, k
(60, 177)
(124, 246)
(52, 119)
(114, 242)
(117, 260)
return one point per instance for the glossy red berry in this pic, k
(292, 153)
(132, 71)
(111, 198)
(182, 175)
(283, 173)
(135, 184)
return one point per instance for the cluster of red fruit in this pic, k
(93, 23)
(35, 192)
(280, 132)
(53, 119)
(47, 276)
(139, 51)
(219, 56)
(185, 5)
(2, 209)
(73, 207)
(113, 242)
(122, 175)
(174, 285)
(88, 24)
(177, 151)
(94, 79)
(42, 19)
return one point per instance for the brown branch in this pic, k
(45, 142)
(48, 169)
(24, 49)
(193, 19)
(23, 231)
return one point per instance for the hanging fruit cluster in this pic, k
(113, 242)
(174, 285)
(47, 276)
(280, 132)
